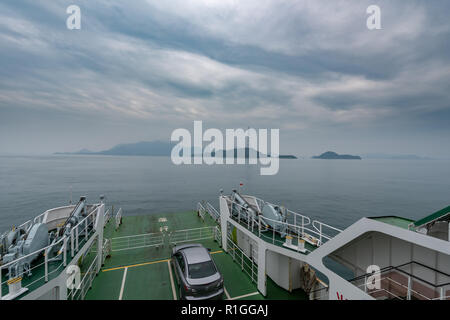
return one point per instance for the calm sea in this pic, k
(338, 192)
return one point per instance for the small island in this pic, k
(329, 155)
(160, 149)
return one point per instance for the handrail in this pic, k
(389, 268)
(118, 218)
(296, 214)
(46, 250)
(299, 229)
(201, 210)
(212, 211)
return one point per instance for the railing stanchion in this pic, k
(303, 225)
(442, 293)
(320, 232)
(408, 297)
(365, 284)
(72, 242)
(65, 251)
(76, 238)
(46, 265)
(273, 237)
(259, 226)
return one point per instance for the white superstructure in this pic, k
(375, 258)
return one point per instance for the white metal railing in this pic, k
(218, 235)
(80, 233)
(106, 249)
(294, 224)
(118, 218)
(45, 264)
(390, 287)
(212, 211)
(206, 207)
(247, 264)
(187, 235)
(137, 241)
(201, 211)
(107, 216)
(79, 293)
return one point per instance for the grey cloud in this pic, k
(305, 66)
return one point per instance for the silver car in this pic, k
(197, 275)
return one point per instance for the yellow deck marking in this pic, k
(174, 294)
(136, 265)
(147, 263)
(123, 283)
(245, 296)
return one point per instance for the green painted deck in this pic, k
(395, 221)
(441, 214)
(144, 273)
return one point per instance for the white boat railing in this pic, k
(201, 211)
(80, 233)
(206, 207)
(393, 282)
(118, 218)
(137, 241)
(247, 264)
(107, 216)
(212, 211)
(79, 293)
(295, 225)
(218, 235)
(188, 235)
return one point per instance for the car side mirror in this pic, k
(209, 249)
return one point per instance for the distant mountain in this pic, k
(155, 148)
(144, 148)
(329, 155)
(395, 156)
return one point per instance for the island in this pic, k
(159, 149)
(330, 155)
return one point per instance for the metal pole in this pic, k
(259, 226)
(408, 297)
(303, 225)
(76, 238)
(273, 235)
(365, 284)
(71, 242)
(320, 241)
(46, 265)
(65, 251)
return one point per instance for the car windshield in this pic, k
(201, 270)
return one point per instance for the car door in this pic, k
(179, 267)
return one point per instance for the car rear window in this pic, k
(201, 270)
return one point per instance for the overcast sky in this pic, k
(139, 69)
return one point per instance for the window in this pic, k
(202, 270)
(180, 260)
